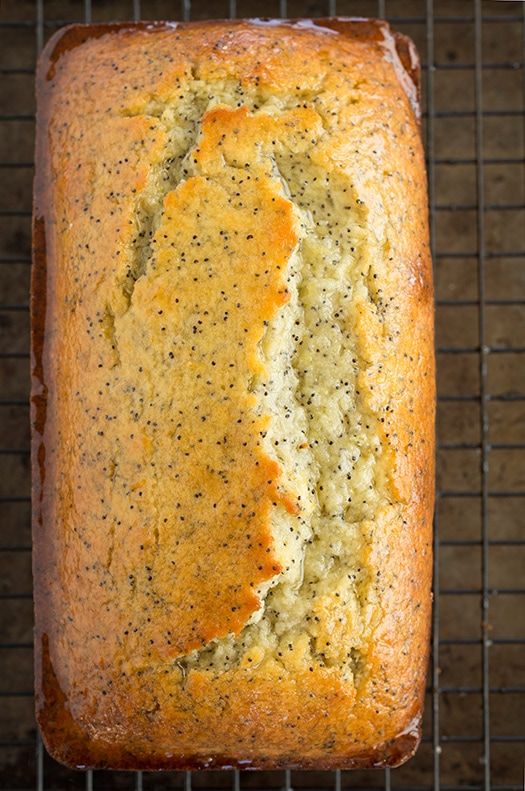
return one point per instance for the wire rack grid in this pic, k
(474, 128)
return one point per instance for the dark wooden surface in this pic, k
(458, 420)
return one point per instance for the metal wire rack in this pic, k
(474, 126)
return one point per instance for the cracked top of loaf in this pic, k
(233, 396)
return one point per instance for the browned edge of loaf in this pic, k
(50, 702)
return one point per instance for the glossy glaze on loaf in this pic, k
(233, 396)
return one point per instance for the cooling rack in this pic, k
(474, 129)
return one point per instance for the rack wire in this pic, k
(474, 733)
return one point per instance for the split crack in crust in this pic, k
(311, 407)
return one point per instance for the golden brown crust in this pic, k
(108, 701)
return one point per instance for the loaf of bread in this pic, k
(233, 396)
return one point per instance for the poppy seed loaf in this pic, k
(233, 396)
